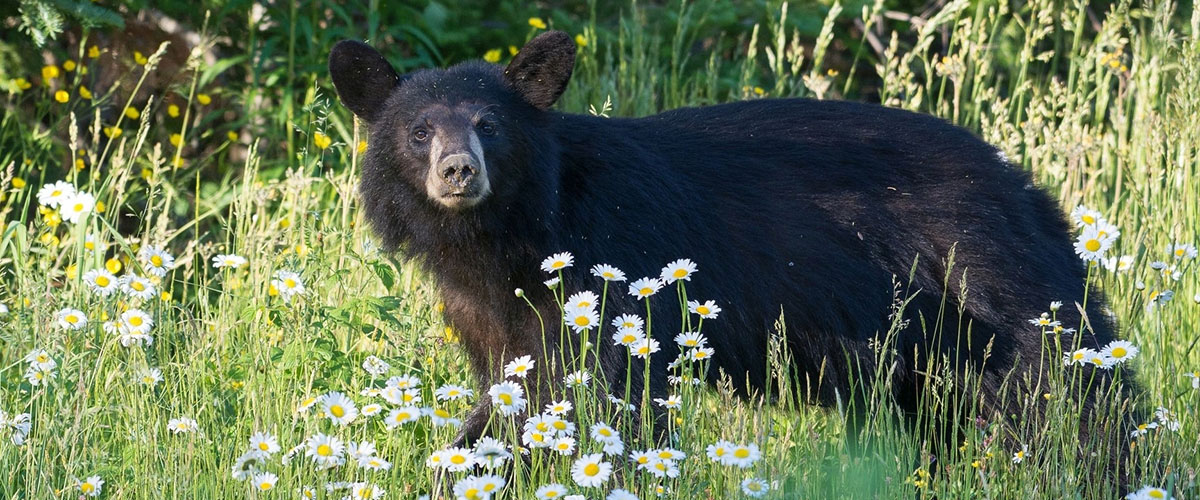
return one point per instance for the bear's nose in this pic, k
(458, 172)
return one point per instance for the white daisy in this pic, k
(440, 417)
(228, 260)
(1182, 250)
(558, 262)
(519, 367)
(92, 486)
(52, 195)
(1090, 245)
(182, 425)
(559, 407)
(70, 319)
(607, 272)
(136, 322)
(1120, 351)
(708, 310)
(591, 470)
(264, 442)
(288, 284)
(552, 491)
(583, 300)
(371, 409)
(375, 367)
(691, 339)
(150, 376)
(137, 287)
(645, 287)
(1084, 216)
(491, 452)
(265, 481)
(508, 397)
(40, 359)
(74, 208)
(580, 319)
(754, 487)
(451, 392)
(404, 382)
(339, 408)
(629, 321)
(1149, 493)
(644, 348)
(682, 269)
(402, 415)
(156, 260)
(325, 451)
(577, 379)
(673, 402)
(101, 282)
(627, 336)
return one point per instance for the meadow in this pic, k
(194, 308)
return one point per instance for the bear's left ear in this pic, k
(362, 77)
(542, 68)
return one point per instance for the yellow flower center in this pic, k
(679, 273)
(102, 280)
(264, 486)
(324, 450)
(610, 275)
(560, 425)
(263, 446)
(337, 411)
(458, 459)
(472, 493)
(551, 494)
(291, 283)
(703, 309)
(701, 354)
(645, 291)
(71, 318)
(1092, 245)
(156, 260)
(135, 321)
(604, 432)
(505, 398)
(591, 469)
(87, 488)
(441, 413)
(753, 486)
(1179, 252)
(1087, 219)
(137, 285)
(1157, 494)
(741, 453)
(56, 193)
(403, 415)
(1119, 352)
(585, 304)
(582, 321)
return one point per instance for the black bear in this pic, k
(801, 208)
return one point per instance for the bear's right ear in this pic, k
(542, 68)
(362, 77)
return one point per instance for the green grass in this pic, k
(1103, 111)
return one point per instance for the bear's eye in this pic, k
(486, 127)
(420, 135)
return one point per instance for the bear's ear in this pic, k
(542, 68)
(362, 77)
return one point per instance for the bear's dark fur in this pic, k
(807, 208)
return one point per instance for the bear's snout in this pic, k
(458, 171)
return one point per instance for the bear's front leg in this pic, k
(475, 424)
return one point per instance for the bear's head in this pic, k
(455, 141)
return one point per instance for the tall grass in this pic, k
(1103, 111)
